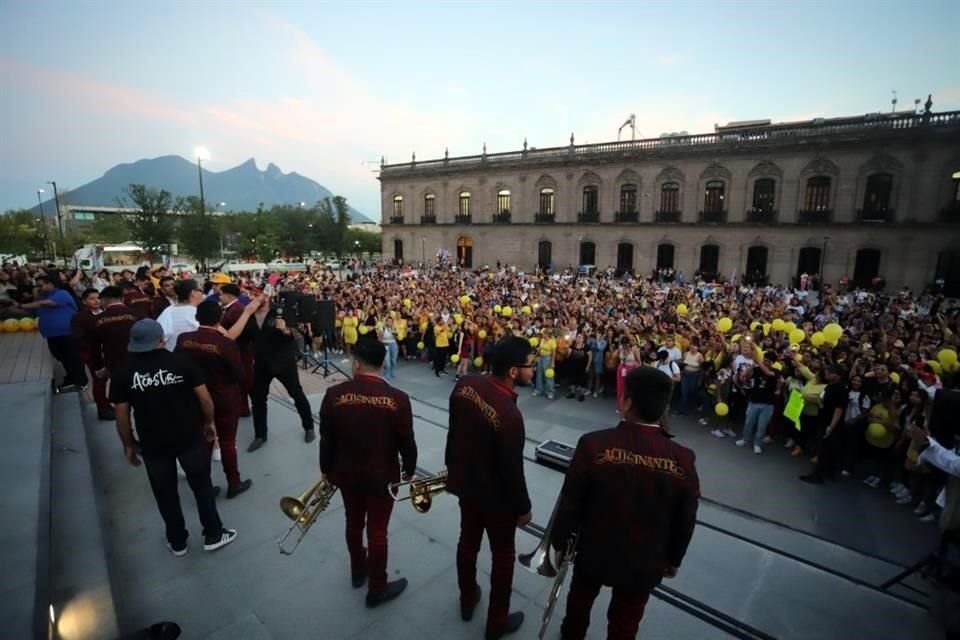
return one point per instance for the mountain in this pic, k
(243, 187)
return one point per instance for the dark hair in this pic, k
(45, 280)
(649, 390)
(208, 313)
(111, 293)
(510, 352)
(230, 289)
(87, 293)
(166, 279)
(184, 288)
(370, 352)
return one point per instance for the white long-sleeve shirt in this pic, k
(175, 320)
(938, 456)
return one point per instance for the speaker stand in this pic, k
(327, 366)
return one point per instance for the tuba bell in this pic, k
(303, 510)
(422, 490)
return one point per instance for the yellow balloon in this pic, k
(421, 346)
(507, 312)
(407, 302)
(895, 377)
(878, 436)
(947, 357)
(937, 368)
(778, 325)
(754, 325)
(458, 318)
(721, 409)
(534, 342)
(27, 324)
(682, 309)
(526, 310)
(497, 308)
(777, 366)
(478, 362)
(464, 299)
(766, 328)
(455, 358)
(789, 327)
(724, 325)
(11, 325)
(735, 338)
(832, 332)
(482, 334)
(549, 373)
(817, 339)
(364, 329)
(797, 336)
(953, 367)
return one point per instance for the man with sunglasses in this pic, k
(484, 457)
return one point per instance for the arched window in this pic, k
(756, 272)
(429, 208)
(465, 250)
(709, 261)
(591, 201)
(544, 254)
(625, 256)
(464, 203)
(588, 253)
(398, 249)
(546, 201)
(670, 197)
(876, 196)
(665, 256)
(628, 198)
(866, 267)
(713, 198)
(947, 277)
(764, 191)
(503, 201)
(808, 261)
(397, 206)
(817, 195)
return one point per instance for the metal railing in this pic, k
(626, 216)
(428, 219)
(463, 218)
(588, 216)
(396, 219)
(544, 218)
(713, 217)
(667, 216)
(814, 216)
(875, 215)
(502, 217)
(761, 216)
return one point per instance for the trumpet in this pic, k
(422, 490)
(304, 511)
(538, 562)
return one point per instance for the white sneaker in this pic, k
(928, 518)
(902, 492)
(907, 499)
(790, 444)
(845, 473)
(595, 395)
(536, 393)
(741, 443)
(921, 510)
(730, 432)
(226, 537)
(702, 421)
(896, 487)
(549, 396)
(872, 482)
(757, 449)
(717, 433)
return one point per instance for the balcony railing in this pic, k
(627, 216)
(588, 216)
(428, 219)
(713, 217)
(814, 216)
(667, 216)
(950, 214)
(875, 215)
(502, 217)
(463, 218)
(396, 219)
(761, 216)
(544, 218)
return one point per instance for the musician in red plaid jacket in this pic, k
(484, 457)
(630, 497)
(365, 424)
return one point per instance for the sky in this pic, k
(327, 89)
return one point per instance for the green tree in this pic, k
(108, 229)
(152, 226)
(22, 232)
(336, 209)
(199, 233)
(369, 242)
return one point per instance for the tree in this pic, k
(369, 241)
(108, 229)
(336, 210)
(199, 233)
(22, 233)
(152, 226)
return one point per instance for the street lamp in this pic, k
(202, 154)
(823, 264)
(56, 200)
(43, 223)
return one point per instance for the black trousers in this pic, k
(440, 358)
(66, 349)
(263, 373)
(162, 472)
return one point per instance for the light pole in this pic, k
(43, 223)
(823, 264)
(202, 154)
(56, 200)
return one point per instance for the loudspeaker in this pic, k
(324, 315)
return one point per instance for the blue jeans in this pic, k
(688, 390)
(390, 362)
(542, 380)
(755, 426)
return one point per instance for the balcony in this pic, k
(396, 219)
(875, 215)
(814, 216)
(951, 214)
(501, 218)
(761, 216)
(463, 218)
(626, 216)
(667, 216)
(428, 219)
(588, 216)
(544, 218)
(713, 217)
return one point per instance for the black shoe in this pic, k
(256, 444)
(106, 414)
(245, 413)
(393, 589)
(580, 398)
(514, 620)
(69, 388)
(309, 435)
(812, 478)
(570, 396)
(225, 537)
(216, 491)
(358, 579)
(233, 492)
(466, 613)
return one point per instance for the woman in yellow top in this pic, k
(546, 358)
(441, 345)
(350, 324)
(400, 324)
(812, 392)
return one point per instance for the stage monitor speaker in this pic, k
(325, 315)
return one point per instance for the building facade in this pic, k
(863, 197)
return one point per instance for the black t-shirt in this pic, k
(764, 387)
(159, 386)
(878, 392)
(834, 397)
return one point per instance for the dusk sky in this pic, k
(321, 88)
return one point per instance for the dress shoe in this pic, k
(256, 444)
(233, 492)
(514, 620)
(466, 613)
(393, 589)
(309, 435)
(358, 579)
(106, 414)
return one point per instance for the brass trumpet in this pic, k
(304, 511)
(422, 490)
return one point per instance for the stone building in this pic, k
(867, 196)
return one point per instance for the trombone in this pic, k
(422, 490)
(304, 511)
(538, 562)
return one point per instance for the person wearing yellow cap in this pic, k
(217, 280)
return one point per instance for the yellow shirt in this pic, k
(548, 346)
(442, 338)
(401, 327)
